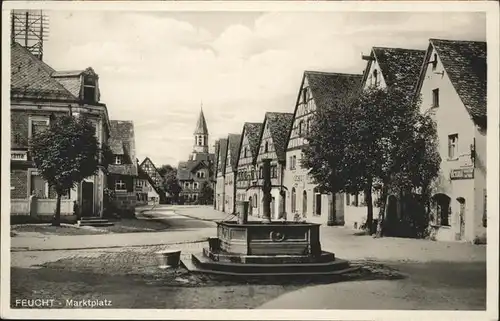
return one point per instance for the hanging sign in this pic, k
(462, 173)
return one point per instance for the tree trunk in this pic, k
(381, 213)
(369, 205)
(332, 210)
(57, 217)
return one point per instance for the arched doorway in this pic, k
(461, 217)
(294, 200)
(440, 209)
(304, 204)
(250, 205)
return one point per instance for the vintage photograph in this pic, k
(247, 159)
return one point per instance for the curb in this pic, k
(27, 249)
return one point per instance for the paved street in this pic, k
(399, 273)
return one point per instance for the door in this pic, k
(87, 199)
(461, 217)
(318, 204)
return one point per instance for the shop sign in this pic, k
(462, 173)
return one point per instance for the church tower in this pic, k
(201, 135)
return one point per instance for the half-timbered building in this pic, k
(272, 145)
(232, 153)
(304, 199)
(246, 166)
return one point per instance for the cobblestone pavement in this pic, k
(413, 274)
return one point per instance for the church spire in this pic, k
(201, 125)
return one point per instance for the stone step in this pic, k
(204, 263)
(96, 224)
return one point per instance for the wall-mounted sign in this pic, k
(462, 173)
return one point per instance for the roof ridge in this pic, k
(328, 73)
(398, 48)
(461, 41)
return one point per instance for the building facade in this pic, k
(155, 189)
(38, 92)
(452, 86)
(386, 68)
(146, 189)
(198, 169)
(247, 176)
(304, 199)
(220, 189)
(231, 172)
(272, 145)
(123, 172)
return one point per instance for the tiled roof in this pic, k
(234, 146)
(400, 67)
(123, 131)
(72, 84)
(223, 153)
(279, 125)
(185, 169)
(465, 64)
(31, 77)
(116, 146)
(253, 131)
(201, 125)
(326, 87)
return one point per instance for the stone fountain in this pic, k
(266, 248)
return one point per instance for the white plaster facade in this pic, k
(465, 221)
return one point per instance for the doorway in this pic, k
(318, 203)
(461, 217)
(87, 199)
(304, 204)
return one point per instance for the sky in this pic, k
(156, 68)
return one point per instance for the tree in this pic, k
(65, 154)
(374, 137)
(206, 194)
(164, 170)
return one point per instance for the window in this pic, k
(305, 97)
(89, 89)
(200, 140)
(375, 77)
(266, 147)
(294, 162)
(301, 124)
(118, 159)
(37, 125)
(453, 146)
(186, 185)
(195, 185)
(245, 152)
(120, 185)
(435, 97)
(274, 171)
(308, 126)
(39, 187)
(252, 174)
(261, 172)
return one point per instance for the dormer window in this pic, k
(118, 160)
(89, 89)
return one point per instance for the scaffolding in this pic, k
(30, 29)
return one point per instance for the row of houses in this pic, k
(449, 76)
(39, 92)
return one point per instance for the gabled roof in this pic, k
(201, 125)
(252, 131)
(223, 154)
(326, 87)
(465, 64)
(185, 169)
(122, 134)
(400, 67)
(279, 125)
(31, 77)
(234, 141)
(142, 174)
